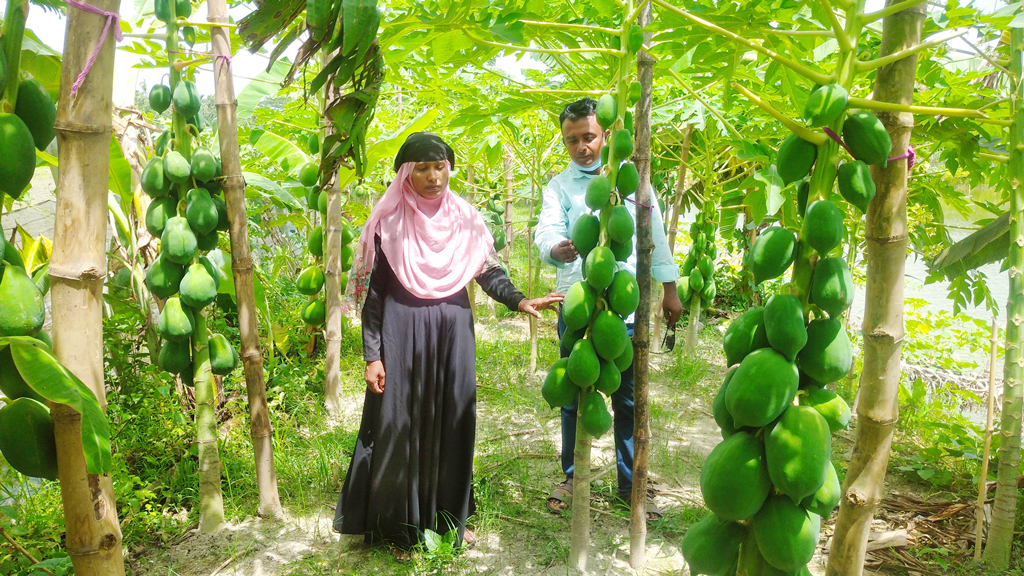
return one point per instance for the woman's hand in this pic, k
(375, 376)
(533, 306)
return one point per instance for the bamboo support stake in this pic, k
(641, 322)
(332, 289)
(979, 515)
(509, 193)
(77, 271)
(261, 431)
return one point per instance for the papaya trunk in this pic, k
(532, 278)
(1004, 510)
(693, 327)
(680, 192)
(509, 191)
(579, 543)
(979, 516)
(332, 288)
(641, 322)
(14, 30)
(211, 501)
(77, 271)
(261, 431)
(886, 235)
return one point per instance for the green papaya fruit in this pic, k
(744, 335)
(867, 138)
(347, 233)
(784, 325)
(750, 561)
(315, 242)
(163, 277)
(176, 168)
(37, 111)
(204, 165)
(313, 144)
(720, 411)
(610, 378)
(12, 384)
(628, 179)
(223, 356)
(798, 447)
(806, 382)
(321, 202)
(313, 197)
(825, 104)
(3, 72)
(153, 180)
(26, 438)
(342, 282)
(764, 384)
(832, 408)
(706, 266)
(22, 312)
(823, 227)
(786, 534)
(201, 212)
(607, 110)
(309, 174)
(696, 280)
(182, 8)
(178, 242)
(635, 39)
(175, 357)
(594, 415)
(212, 270)
(578, 305)
(609, 335)
(499, 238)
(17, 149)
(622, 144)
(186, 98)
(620, 225)
(795, 159)
(712, 546)
(347, 255)
(683, 290)
(208, 241)
(160, 98)
(223, 225)
(624, 293)
(803, 191)
(43, 337)
(734, 477)
(770, 570)
(569, 338)
(624, 361)
(310, 281)
(314, 312)
(558, 390)
(832, 286)
(828, 354)
(176, 321)
(600, 267)
(583, 367)
(855, 184)
(162, 141)
(635, 91)
(772, 253)
(188, 33)
(599, 189)
(826, 498)
(585, 233)
(604, 154)
(198, 289)
(707, 295)
(621, 250)
(11, 256)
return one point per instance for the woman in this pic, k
(412, 467)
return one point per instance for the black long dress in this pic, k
(412, 467)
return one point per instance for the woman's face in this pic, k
(430, 179)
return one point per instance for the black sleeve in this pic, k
(373, 307)
(496, 284)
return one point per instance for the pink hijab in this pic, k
(435, 246)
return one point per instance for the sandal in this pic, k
(468, 538)
(654, 513)
(561, 497)
(401, 556)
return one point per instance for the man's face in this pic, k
(583, 139)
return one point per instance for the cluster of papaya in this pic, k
(866, 139)
(27, 129)
(311, 280)
(494, 216)
(698, 279)
(26, 431)
(595, 309)
(182, 9)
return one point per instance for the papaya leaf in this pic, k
(265, 83)
(356, 16)
(122, 228)
(35, 250)
(991, 243)
(51, 380)
(268, 19)
(258, 181)
(119, 177)
(281, 150)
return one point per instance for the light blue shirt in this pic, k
(564, 203)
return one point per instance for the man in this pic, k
(563, 204)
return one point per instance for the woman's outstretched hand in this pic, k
(533, 306)
(375, 376)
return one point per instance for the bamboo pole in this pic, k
(261, 432)
(979, 516)
(332, 289)
(77, 272)
(509, 193)
(886, 234)
(641, 322)
(1004, 509)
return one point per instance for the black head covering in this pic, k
(424, 147)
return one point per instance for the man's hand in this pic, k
(564, 251)
(535, 305)
(375, 376)
(671, 305)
